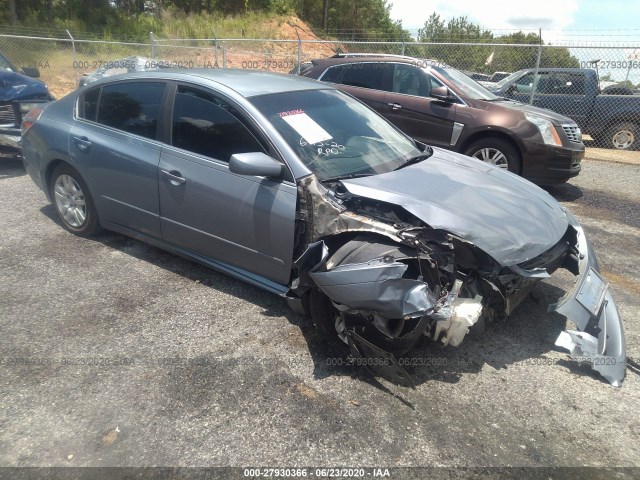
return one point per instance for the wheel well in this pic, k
(612, 122)
(492, 134)
(334, 242)
(48, 172)
(622, 119)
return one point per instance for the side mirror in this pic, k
(31, 72)
(255, 164)
(441, 93)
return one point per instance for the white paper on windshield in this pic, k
(305, 126)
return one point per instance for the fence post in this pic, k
(224, 54)
(535, 74)
(215, 51)
(152, 45)
(402, 38)
(299, 52)
(73, 53)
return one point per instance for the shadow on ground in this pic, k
(528, 334)
(11, 168)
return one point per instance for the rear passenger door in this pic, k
(413, 111)
(115, 141)
(363, 80)
(246, 222)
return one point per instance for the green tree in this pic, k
(485, 55)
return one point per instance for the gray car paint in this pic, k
(506, 216)
(481, 204)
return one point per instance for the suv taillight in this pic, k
(30, 118)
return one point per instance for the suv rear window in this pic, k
(365, 75)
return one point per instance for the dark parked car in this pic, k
(613, 120)
(441, 106)
(19, 93)
(295, 187)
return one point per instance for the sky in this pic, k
(567, 22)
(574, 20)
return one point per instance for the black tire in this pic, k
(73, 202)
(324, 316)
(623, 136)
(486, 148)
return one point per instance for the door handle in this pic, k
(395, 106)
(82, 143)
(174, 177)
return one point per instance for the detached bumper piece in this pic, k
(600, 340)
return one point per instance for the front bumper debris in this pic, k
(600, 340)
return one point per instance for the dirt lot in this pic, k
(116, 353)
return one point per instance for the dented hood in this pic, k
(15, 86)
(508, 217)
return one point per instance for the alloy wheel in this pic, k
(492, 156)
(70, 200)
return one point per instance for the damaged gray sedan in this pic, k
(299, 189)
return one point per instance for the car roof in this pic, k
(248, 83)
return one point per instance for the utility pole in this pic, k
(325, 15)
(13, 18)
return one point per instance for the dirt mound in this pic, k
(291, 27)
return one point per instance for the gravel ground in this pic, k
(135, 357)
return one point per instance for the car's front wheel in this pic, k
(73, 201)
(495, 151)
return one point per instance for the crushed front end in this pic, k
(380, 279)
(599, 340)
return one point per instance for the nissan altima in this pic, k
(300, 189)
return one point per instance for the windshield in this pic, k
(334, 134)
(469, 88)
(4, 64)
(508, 79)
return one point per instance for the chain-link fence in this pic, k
(602, 94)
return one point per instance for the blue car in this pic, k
(19, 93)
(293, 186)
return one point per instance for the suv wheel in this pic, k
(496, 152)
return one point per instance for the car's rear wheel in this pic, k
(73, 202)
(496, 151)
(624, 136)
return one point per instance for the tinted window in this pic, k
(409, 80)
(566, 84)
(365, 75)
(205, 124)
(89, 104)
(412, 81)
(132, 107)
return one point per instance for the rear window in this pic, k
(131, 107)
(89, 105)
(364, 75)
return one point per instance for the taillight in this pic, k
(30, 118)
